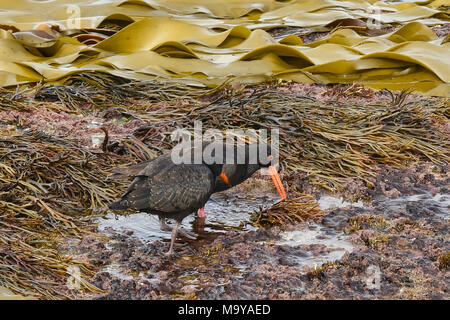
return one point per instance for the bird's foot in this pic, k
(201, 213)
(169, 254)
(187, 234)
(165, 227)
(173, 238)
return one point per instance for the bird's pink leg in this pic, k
(201, 213)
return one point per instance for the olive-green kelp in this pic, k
(301, 208)
(225, 39)
(49, 187)
(26, 14)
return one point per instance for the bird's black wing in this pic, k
(141, 168)
(165, 187)
(133, 170)
(129, 171)
(182, 187)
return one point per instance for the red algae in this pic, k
(69, 125)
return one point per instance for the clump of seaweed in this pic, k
(365, 221)
(444, 261)
(298, 209)
(87, 90)
(49, 188)
(13, 99)
(320, 272)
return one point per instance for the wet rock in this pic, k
(286, 262)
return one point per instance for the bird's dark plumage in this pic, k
(169, 190)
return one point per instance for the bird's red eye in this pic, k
(224, 177)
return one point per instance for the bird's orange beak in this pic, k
(277, 182)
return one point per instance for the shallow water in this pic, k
(223, 214)
(336, 244)
(115, 270)
(439, 203)
(226, 213)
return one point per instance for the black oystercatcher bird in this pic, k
(170, 191)
(232, 173)
(174, 191)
